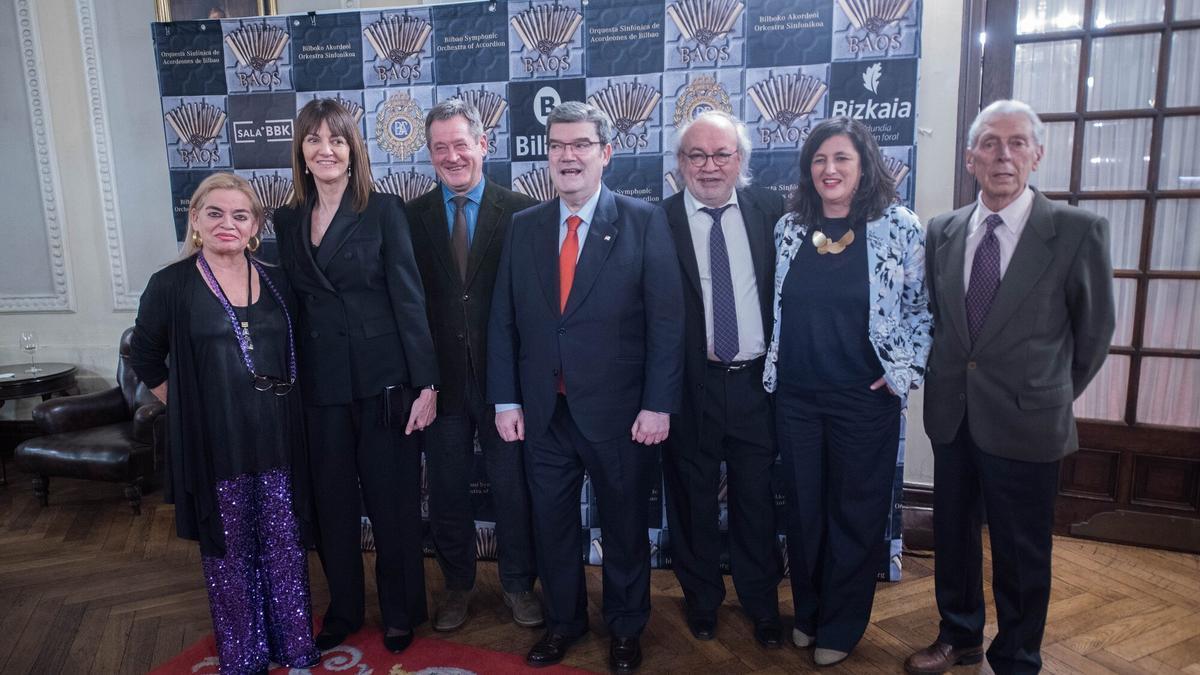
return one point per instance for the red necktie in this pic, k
(566, 261)
(566, 274)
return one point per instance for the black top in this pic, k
(824, 342)
(228, 399)
(362, 324)
(163, 349)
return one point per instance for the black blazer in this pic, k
(362, 323)
(618, 343)
(458, 313)
(760, 210)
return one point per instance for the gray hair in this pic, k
(569, 112)
(744, 144)
(1007, 107)
(451, 108)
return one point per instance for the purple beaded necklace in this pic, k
(260, 382)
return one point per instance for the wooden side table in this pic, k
(55, 379)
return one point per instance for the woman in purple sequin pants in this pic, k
(214, 340)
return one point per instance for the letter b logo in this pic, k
(544, 101)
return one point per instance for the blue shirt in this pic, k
(474, 196)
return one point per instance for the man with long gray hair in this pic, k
(1021, 293)
(723, 237)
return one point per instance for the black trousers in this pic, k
(1019, 500)
(620, 472)
(449, 466)
(349, 447)
(839, 453)
(734, 426)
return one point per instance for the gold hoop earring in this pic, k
(254, 243)
(196, 240)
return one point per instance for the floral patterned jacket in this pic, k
(900, 324)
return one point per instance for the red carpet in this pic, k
(364, 653)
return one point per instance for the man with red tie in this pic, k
(585, 365)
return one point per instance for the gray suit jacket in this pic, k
(1043, 341)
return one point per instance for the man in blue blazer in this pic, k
(585, 365)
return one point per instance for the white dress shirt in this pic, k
(1015, 215)
(751, 342)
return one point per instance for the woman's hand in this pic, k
(424, 410)
(881, 382)
(160, 391)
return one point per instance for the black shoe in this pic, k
(398, 642)
(768, 633)
(703, 627)
(549, 650)
(328, 639)
(624, 654)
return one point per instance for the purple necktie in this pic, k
(725, 327)
(985, 277)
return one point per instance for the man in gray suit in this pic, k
(1021, 293)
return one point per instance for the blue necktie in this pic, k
(725, 327)
(985, 277)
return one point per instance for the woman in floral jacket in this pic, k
(852, 332)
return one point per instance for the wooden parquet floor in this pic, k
(87, 587)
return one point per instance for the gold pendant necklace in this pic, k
(826, 245)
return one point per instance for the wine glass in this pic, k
(30, 345)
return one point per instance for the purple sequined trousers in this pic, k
(258, 592)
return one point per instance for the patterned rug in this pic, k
(364, 653)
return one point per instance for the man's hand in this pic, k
(161, 392)
(881, 382)
(651, 428)
(511, 425)
(424, 410)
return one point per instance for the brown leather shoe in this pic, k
(939, 657)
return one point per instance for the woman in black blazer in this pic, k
(362, 329)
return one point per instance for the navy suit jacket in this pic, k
(619, 342)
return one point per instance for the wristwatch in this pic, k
(432, 387)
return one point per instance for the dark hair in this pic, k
(341, 123)
(876, 188)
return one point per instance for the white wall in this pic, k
(937, 133)
(98, 95)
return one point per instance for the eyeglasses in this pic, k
(699, 159)
(580, 147)
(271, 384)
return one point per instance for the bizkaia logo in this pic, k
(879, 94)
(397, 39)
(546, 31)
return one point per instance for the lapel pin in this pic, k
(608, 237)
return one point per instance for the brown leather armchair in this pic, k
(116, 435)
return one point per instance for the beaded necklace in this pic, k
(241, 330)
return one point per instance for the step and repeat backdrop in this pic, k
(230, 89)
